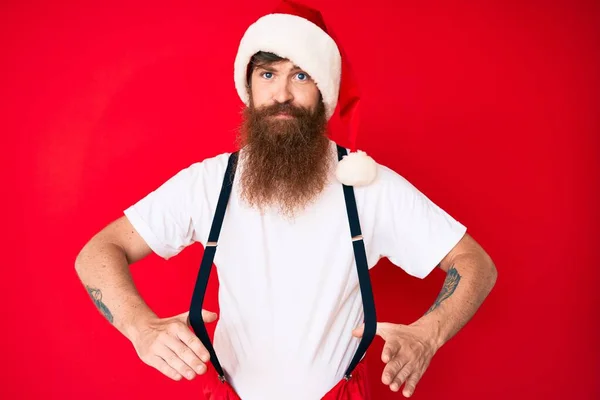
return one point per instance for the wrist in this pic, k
(132, 327)
(431, 331)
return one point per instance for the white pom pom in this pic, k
(356, 169)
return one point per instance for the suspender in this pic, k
(206, 265)
(209, 255)
(362, 266)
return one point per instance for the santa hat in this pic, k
(298, 33)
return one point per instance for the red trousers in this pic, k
(356, 388)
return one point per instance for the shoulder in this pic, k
(388, 181)
(385, 178)
(206, 170)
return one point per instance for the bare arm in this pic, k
(471, 275)
(103, 268)
(408, 349)
(166, 344)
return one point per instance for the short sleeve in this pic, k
(412, 231)
(164, 218)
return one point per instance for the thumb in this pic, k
(208, 316)
(360, 330)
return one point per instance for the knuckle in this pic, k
(411, 383)
(193, 363)
(178, 365)
(195, 347)
(409, 352)
(163, 336)
(192, 341)
(193, 350)
(396, 364)
(171, 373)
(392, 349)
(200, 350)
(172, 327)
(174, 361)
(181, 328)
(164, 368)
(151, 350)
(403, 375)
(414, 379)
(182, 351)
(419, 346)
(399, 378)
(154, 346)
(182, 369)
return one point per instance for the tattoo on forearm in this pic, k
(450, 284)
(96, 296)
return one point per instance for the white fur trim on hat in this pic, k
(298, 40)
(356, 169)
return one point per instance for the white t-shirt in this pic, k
(289, 294)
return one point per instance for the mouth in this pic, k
(283, 116)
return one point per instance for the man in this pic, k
(294, 288)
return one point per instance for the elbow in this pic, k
(82, 256)
(79, 260)
(492, 272)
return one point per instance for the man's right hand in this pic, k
(171, 347)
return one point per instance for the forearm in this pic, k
(468, 282)
(104, 271)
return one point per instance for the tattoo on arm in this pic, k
(96, 296)
(450, 284)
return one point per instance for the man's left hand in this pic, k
(407, 352)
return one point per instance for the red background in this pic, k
(490, 109)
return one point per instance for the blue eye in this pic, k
(302, 76)
(267, 75)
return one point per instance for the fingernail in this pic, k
(200, 369)
(204, 357)
(190, 375)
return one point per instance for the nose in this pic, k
(282, 93)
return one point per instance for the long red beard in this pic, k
(285, 162)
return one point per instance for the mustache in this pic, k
(284, 108)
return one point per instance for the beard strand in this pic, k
(286, 162)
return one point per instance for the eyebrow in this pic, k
(268, 68)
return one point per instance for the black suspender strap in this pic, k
(360, 256)
(207, 260)
(362, 266)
